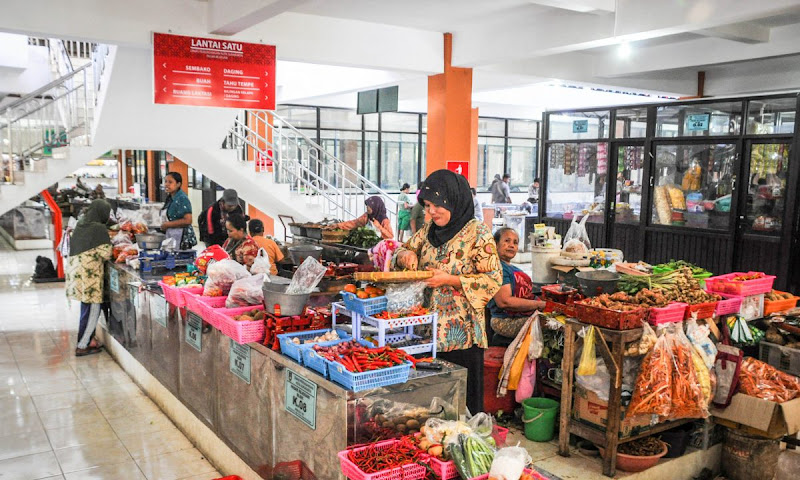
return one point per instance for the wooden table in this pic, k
(613, 358)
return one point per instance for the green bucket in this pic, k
(539, 418)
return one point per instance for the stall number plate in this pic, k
(580, 126)
(301, 398)
(158, 310)
(194, 332)
(240, 360)
(697, 122)
(113, 280)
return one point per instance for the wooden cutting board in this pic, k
(393, 277)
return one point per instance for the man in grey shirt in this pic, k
(501, 193)
(477, 205)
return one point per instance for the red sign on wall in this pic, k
(461, 168)
(212, 72)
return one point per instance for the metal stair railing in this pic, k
(320, 173)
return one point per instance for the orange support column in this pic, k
(178, 166)
(452, 122)
(269, 223)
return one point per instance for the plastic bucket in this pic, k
(492, 364)
(541, 265)
(539, 418)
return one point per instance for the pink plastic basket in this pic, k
(444, 470)
(499, 434)
(410, 471)
(725, 284)
(175, 295)
(240, 332)
(674, 312)
(729, 304)
(203, 306)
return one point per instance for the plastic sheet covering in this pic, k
(307, 277)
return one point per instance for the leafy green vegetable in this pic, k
(362, 237)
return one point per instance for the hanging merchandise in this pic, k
(588, 363)
(570, 160)
(602, 158)
(583, 160)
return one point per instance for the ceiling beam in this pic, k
(581, 6)
(225, 20)
(748, 32)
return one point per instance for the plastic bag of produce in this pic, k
(701, 341)
(307, 277)
(405, 297)
(471, 454)
(764, 381)
(509, 463)
(122, 238)
(691, 387)
(246, 291)
(481, 423)
(577, 235)
(221, 276)
(214, 253)
(588, 363)
(652, 393)
(261, 264)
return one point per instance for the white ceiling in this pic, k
(520, 50)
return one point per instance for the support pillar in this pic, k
(452, 122)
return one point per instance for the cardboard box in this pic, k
(770, 418)
(590, 410)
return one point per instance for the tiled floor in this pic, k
(70, 418)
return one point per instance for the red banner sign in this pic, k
(212, 72)
(461, 168)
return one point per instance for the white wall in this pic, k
(23, 68)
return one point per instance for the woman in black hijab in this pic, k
(462, 254)
(375, 217)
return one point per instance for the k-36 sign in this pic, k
(211, 72)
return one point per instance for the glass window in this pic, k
(522, 154)
(630, 171)
(423, 157)
(371, 157)
(491, 159)
(766, 188)
(576, 180)
(371, 121)
(339, 119)
(775, 115)
(424, 123)
(344, 145)
(694, 185)
(578, 125)
(400, 122)
(631, 123)
(298, 117)
(699, 120)
(523, 128)
(494, 127)
(400, 155)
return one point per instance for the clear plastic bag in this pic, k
(652, 393)
(699, 336)
(471, 454)
(307, 277)
(537, 340)
(481, 424)
(261, 264)
(120, 239)
(690, 387)
(246, 291)
(404, 297)
(221, 276)
(577, 231)
(509, 463)
(588, 363)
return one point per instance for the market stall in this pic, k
(709, 181)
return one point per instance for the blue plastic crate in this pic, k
(364, 306)
(314, 361)
(367, 380)
(292, 350)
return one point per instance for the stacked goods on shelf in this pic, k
(776, 301)
(676, 286)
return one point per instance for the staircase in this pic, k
(44, 133)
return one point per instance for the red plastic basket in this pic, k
(704, 310)
(725, 284)
(241, 332)
(557, 295)
(730, 304)
(613, 319)
(294, 470)
(175, 295)
(204, 306)
(674, 312)
(411, 471)
(551, 306)
(499, 434)
(779, 305)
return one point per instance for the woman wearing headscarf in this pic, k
(90, 247)
(375, 217)
(462, 254)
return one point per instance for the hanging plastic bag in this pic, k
(691, 387)
(577, 239)
(537, 340)
(652, 394)
(701, 341)
(405, 297)
(261, 264)
(307, 277)
(246, 291)
(221, 276)
(509, 463)
(588, 363)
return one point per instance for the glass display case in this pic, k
(766, 187)
(577, 174)
(630, 175)
(699, 119)
(578, 125)
(770, 116)
(693, 185)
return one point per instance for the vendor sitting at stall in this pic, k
(274, 253)
(239, 245)
(462, 254)
(514, 302)
(375, 218)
